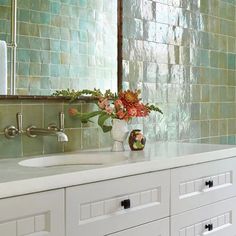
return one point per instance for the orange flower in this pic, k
(132, 112)
(120, 114)
(142, 110)
(72, 111)
(129, 98)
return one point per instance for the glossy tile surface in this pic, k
(181, 54)
(187, 55)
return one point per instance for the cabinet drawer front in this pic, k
(98, 206)
(198, 185)
(216, 219)
(35, 214)
(160, 228)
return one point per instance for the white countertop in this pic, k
(18, 180)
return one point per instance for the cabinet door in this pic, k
(199, 185)
(218, 219)
(109, 206)
(156, 228)
(40, 214)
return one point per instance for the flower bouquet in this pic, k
(124, 106)
(120, 108)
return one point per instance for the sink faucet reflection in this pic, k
(52, 130)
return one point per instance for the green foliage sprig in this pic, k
(73, 95)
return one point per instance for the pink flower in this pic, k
(103, 103)
(118, 104)
(72, 111)
(108, 109)
(132, 112)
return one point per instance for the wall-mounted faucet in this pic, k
(12, 131)
(33, 131)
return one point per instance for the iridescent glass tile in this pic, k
(149, 10)
(162, 13)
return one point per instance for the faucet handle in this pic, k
(19, 119)
(61, 121)
(12, 131)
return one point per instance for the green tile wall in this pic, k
(41, 114)
(5, 23)
(5, 28)
(63, 44)
(181, 54)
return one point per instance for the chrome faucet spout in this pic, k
(52, 130)
(33, 131)
(62, 137)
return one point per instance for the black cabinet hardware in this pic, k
(209, 183)
(209, 227)
(126, 203)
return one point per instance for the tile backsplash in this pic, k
(181, 54)
(41, 114)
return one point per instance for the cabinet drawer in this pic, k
(198, 185)
(98, 207)
(217, 219)
(160, 228)
(33, 215)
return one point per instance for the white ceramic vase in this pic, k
(119, 134)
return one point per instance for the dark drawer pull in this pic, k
(126, 203)
(209, 227)
(209, 183)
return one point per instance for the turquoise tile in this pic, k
(232, 61)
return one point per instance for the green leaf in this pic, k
(154, 108)
(101, 120)
(85, 117)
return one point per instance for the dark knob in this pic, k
(209, 227)
(209, 183)
(126, 204)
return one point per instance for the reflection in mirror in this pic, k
(65, 44)
(5, 44)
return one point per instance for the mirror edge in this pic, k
(119, 43)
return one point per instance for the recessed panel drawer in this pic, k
(113, 205)
(39, 214)
(199, 185)
(216, 219)
(160, 228)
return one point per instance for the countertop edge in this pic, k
(34, 185)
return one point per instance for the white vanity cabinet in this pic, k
(203, 199)
(39, 214)
(218, 219)
(106, 207)
(194, 200)
(160, 228)
(202, 184)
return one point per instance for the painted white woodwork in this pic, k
(189, 189)
(155, 228)
(95, 209)
(179, 191)
(221, 215)
(39, 214)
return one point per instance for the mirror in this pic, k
(62, 44)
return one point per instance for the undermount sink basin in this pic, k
(74, 159)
